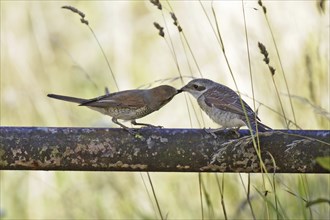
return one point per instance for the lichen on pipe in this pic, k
(153, 149)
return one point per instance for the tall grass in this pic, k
(43, 49)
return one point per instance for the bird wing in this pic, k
(227, 100)
(132, 99)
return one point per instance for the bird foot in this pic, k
(227, 131)
(132, 131)
(234, 131)
(155, 126)
(150, 126)
(213, 131)
(146, 125)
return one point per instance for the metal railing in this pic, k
(170, 150)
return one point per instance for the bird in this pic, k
(127, 105)
(223, 105)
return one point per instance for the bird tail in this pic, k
(260, 126)
(67, 98)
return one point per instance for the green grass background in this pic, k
(45, 49)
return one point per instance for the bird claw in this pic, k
(151, 126)
(225, 131)
(132, 131)
(155, 126)
(212, 131)
(144, 125)
(233, 130)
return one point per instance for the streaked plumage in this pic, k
(127, 105)
(222, 104)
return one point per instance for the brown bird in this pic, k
(223, 105)
(127, 105)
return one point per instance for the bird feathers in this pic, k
(67, 98)
(124, 99)
(223, 105)
(227, 100)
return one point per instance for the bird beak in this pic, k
(182, 89)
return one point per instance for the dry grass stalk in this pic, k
(264, 52)
(80, 13)
(157, 4)
(160, 29)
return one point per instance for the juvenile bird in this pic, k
(223, 105)
(127, 105)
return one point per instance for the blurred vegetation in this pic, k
(45, 49)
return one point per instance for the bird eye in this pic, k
(199, 88)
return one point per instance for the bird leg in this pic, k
(107, 92)
(130, 130)
(236, 131)
(143, 124)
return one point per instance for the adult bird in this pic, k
(223, 105)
